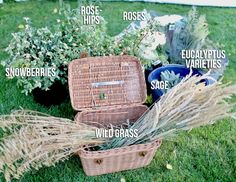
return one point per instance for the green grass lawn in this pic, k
(204, 154)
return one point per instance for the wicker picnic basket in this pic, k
(110, 90)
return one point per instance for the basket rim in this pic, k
(83, 153)
(132, 58)
(106, 109)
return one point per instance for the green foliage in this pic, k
(172, 79)
(43, 48)
(36, 48)
(92, 39)
(190, 33)
(149, 99)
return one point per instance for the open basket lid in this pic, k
(98, 82)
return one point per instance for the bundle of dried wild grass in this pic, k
(41, 140)
(185, 106)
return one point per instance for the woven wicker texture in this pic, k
(110, 90)
(119, 159)
(112, 116)
(101, 82)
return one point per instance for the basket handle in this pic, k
(98, 161)
(143, 153)
(97, 84)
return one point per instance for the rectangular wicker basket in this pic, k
(110, 90)
(118, 159)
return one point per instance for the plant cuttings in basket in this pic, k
(185, 106)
